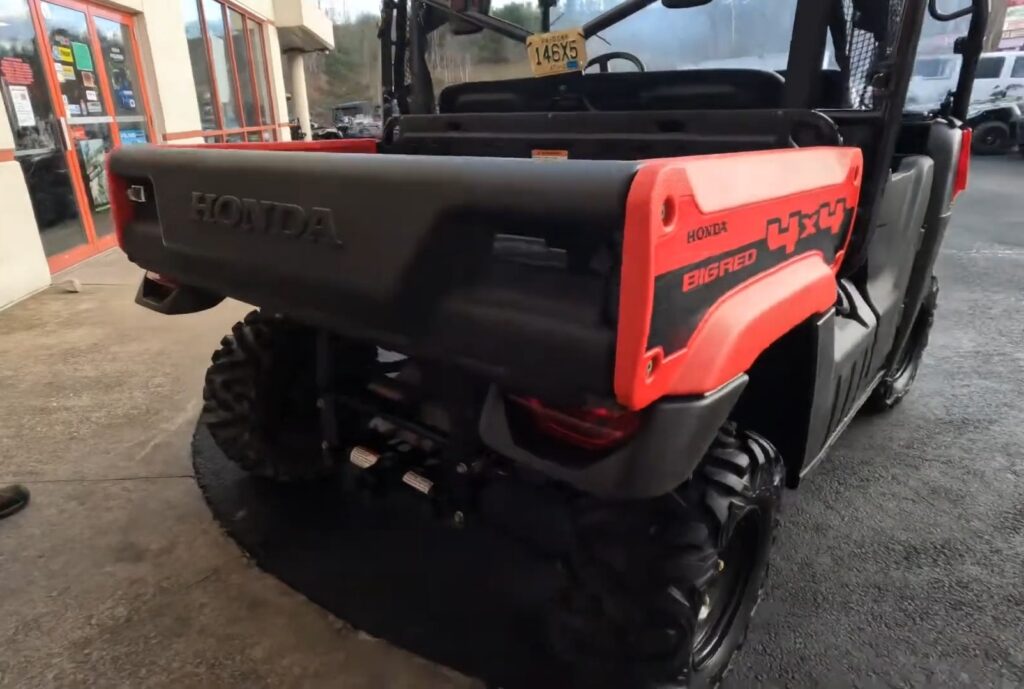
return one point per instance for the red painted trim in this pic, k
(6, 155)
(670, 198)
(69, 258)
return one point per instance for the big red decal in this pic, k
(703, 233)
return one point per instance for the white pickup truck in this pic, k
(996, 101)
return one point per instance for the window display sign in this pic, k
(64, 72)
(16, 71)
(83, 58)
(131, 137)
(63, 53)
(22, 103)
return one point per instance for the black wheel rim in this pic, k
(993, 139)
(724, 597)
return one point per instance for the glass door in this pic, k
(118, 55)
(97, 95)
(40, 146)
(88, 117)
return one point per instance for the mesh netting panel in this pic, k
(870, 49)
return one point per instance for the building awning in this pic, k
(302, 25)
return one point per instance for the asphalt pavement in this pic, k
(901, 558)
(900, 562)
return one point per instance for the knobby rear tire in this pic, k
(642, 572)
(259, 399)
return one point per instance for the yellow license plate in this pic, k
(557, 52)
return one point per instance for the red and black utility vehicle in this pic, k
(624, 306)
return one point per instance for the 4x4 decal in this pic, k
(785, 234)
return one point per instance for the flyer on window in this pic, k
(22, 102)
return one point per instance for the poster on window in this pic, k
(93, 152)
(64, 72)
(23, 114)
(130, 137)
(16, 71)
(83, 58)
(63, 53)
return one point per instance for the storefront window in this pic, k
(123, 80)
(244, 62)
(223, 72)
(200, 64)
(229, 68)
(260, 66)
(39, 147)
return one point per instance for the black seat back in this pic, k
(693, 89)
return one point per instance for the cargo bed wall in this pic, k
(507, 267)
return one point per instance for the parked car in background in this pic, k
(358, 119)
(996, 101)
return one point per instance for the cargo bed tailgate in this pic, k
(503, 264)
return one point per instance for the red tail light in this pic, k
(963, 164)
(594, 428)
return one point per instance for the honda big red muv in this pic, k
(615, 311)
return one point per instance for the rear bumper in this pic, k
(676, 433)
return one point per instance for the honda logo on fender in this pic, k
(270, 217)
(784, 234)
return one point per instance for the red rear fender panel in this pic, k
(722, 255)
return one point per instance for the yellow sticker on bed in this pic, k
(557, 52)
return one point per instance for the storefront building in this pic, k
(80, 78)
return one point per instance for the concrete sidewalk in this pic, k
(116, 575)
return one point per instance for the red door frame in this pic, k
(93, 244)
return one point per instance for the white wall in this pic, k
(262, 8)
(23, 268)
(168, 68)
